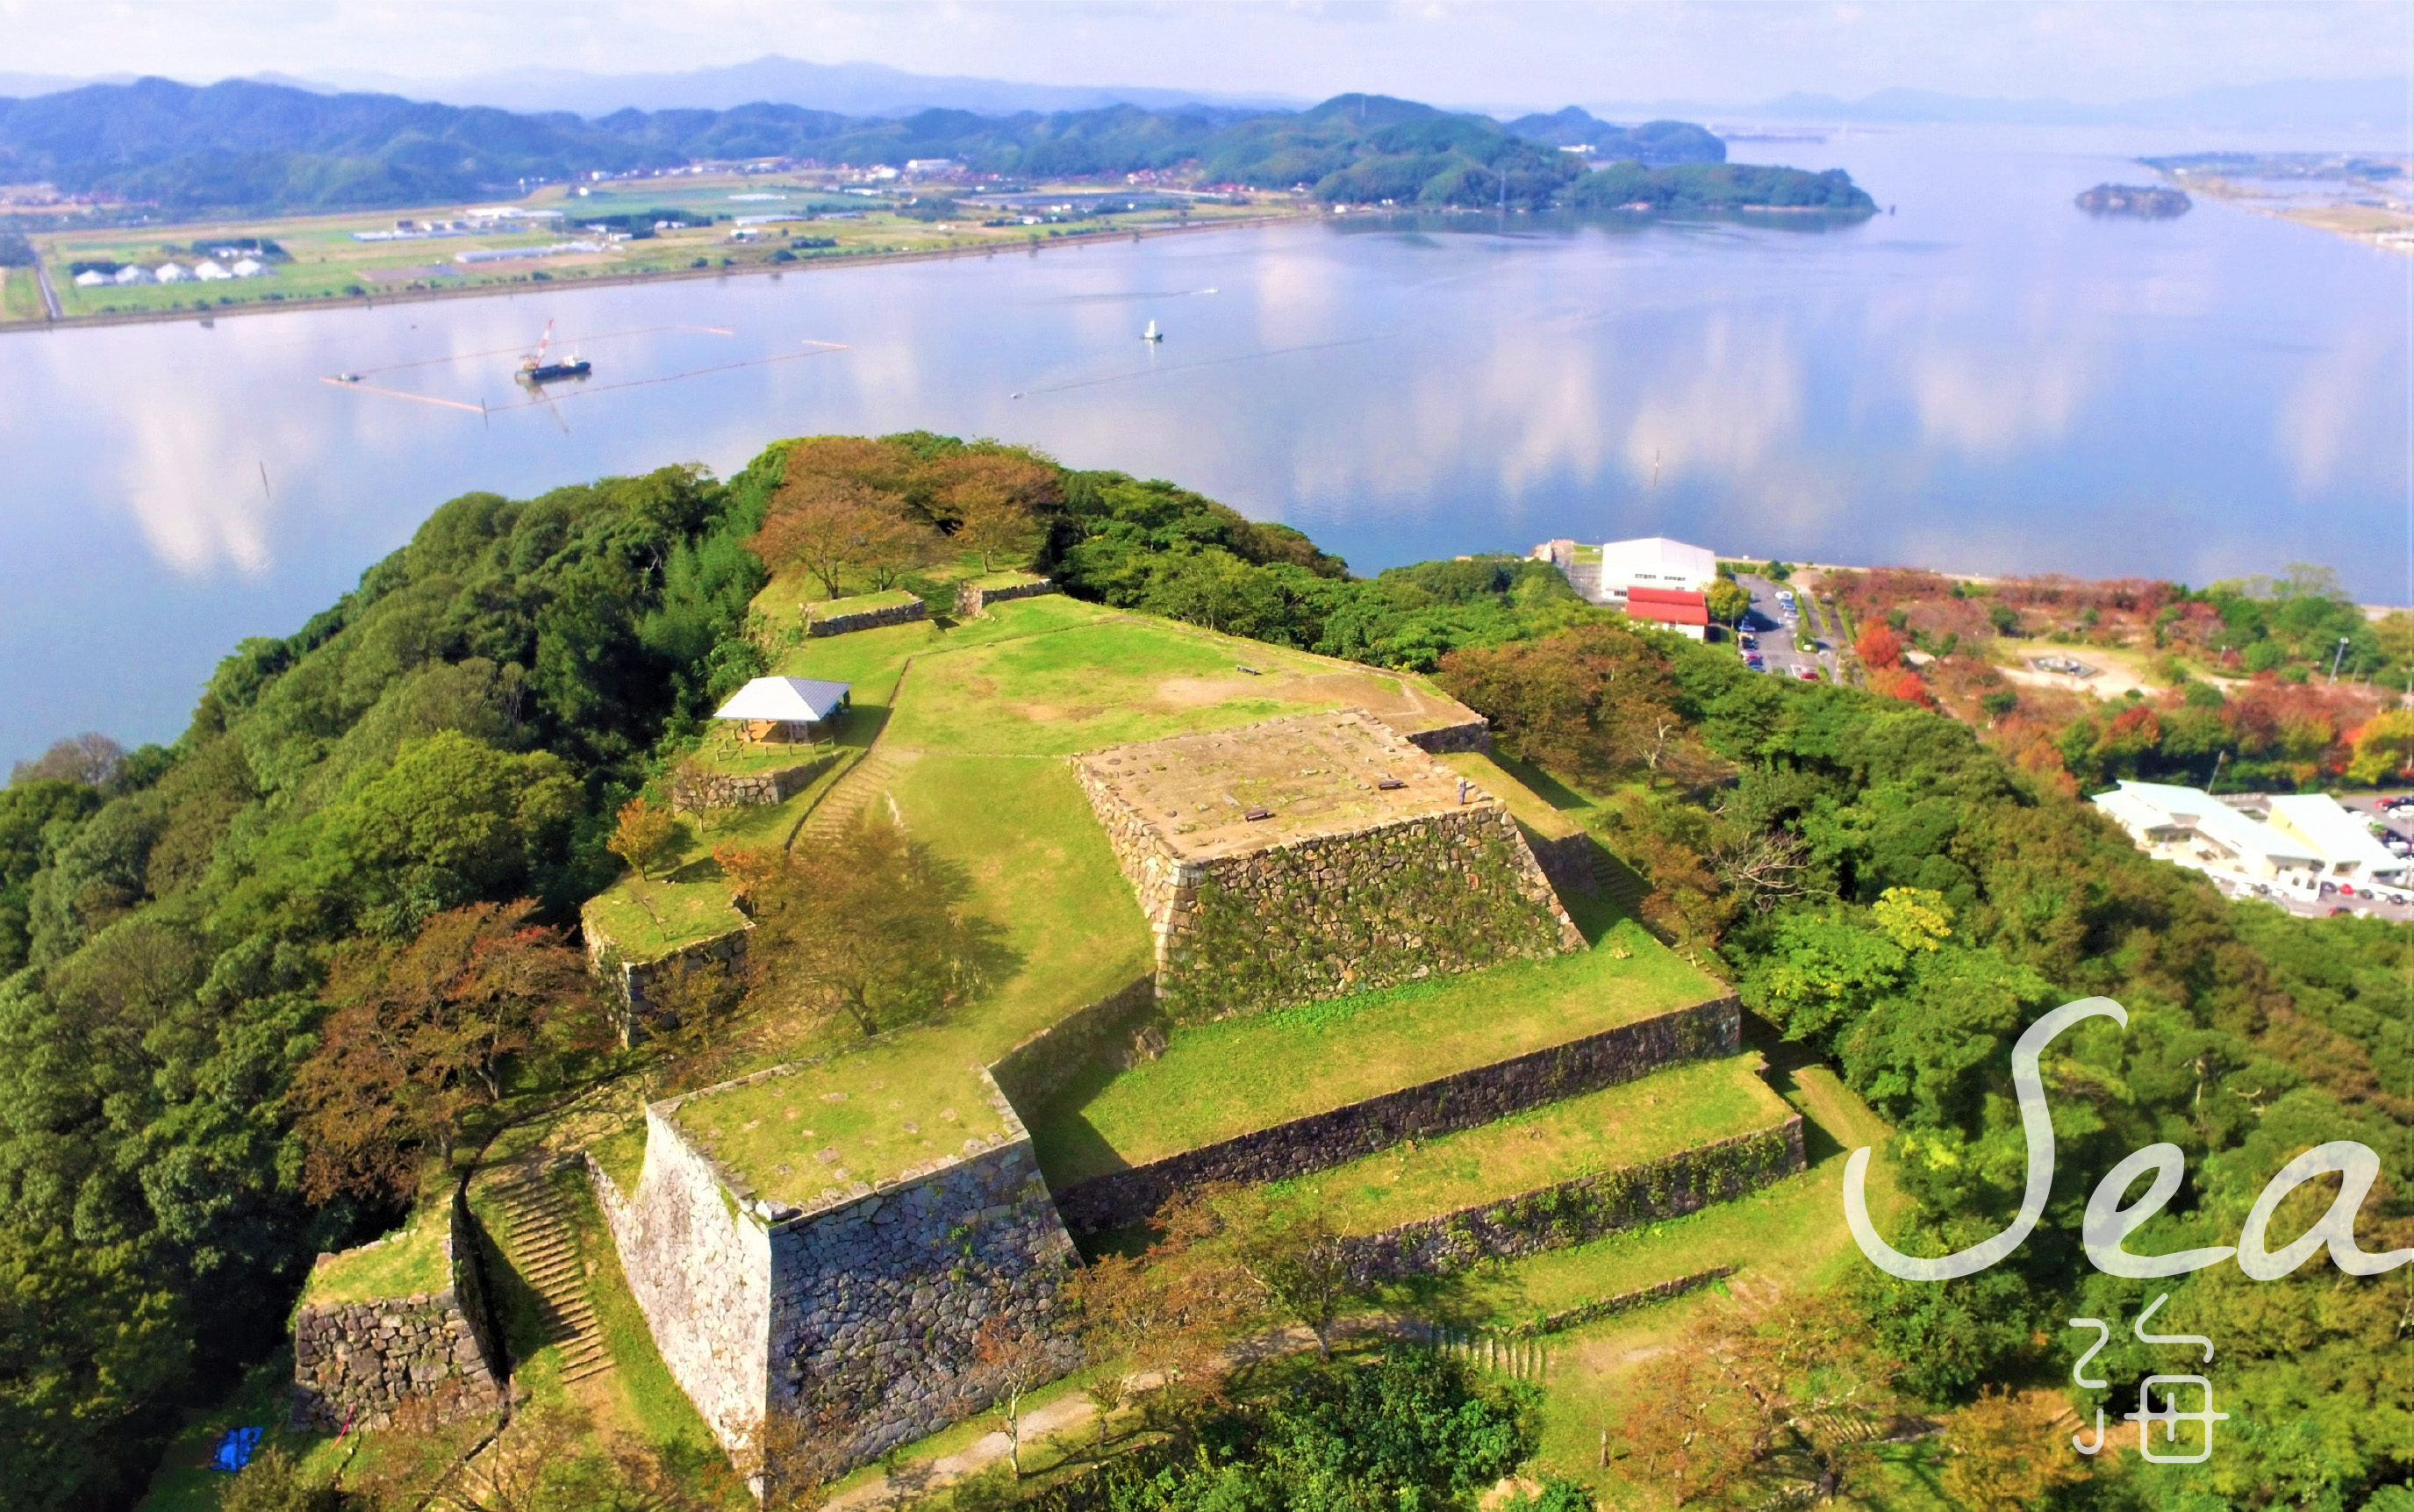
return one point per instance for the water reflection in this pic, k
(1988, 379)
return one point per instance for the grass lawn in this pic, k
(20, 296)
(401, 1264)
(1116, 679)
(1528, 807)
(1618, 1127)
(865, 1116)
(888, 598)
(1218, 1080)
(1792, 1235)
(1038, 864)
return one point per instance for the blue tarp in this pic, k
(234, 1450)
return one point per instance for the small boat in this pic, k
(1152, 333)
(535, 370)
(348, 378)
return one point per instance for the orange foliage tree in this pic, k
(420, 1038)
(1878, 646)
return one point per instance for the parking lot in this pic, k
(1772, 625)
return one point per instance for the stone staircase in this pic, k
(851, 795)
(537, 1220)
(1620, 883)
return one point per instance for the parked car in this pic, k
(1808, 674)
(1747, 640)
(1753, 661)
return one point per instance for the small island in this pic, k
(2147, 202)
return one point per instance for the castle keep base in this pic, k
(1314, 857)
(812, 1340)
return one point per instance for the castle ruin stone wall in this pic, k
(356, 1364)
(1465, 1099)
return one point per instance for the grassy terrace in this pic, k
(867, 1116)
(1528, 807)
(1606, 1131)
(1218, 1080)
(403, 1263)
(971, 736)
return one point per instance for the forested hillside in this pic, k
(184, 928)
(240, 146)
(449, 731)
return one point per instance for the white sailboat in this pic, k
(1152, 333)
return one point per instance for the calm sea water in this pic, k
(1984, 380)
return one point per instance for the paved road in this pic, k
(50, 295)
(1772, 625)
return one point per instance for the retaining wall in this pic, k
(1473, 734)
(812, 1340)
(699, 791)
(1465, 1099)
(1610, 1307)
(840, 624)
(356, 1363)
(1329, 915)
(970, 600)
(1568, 861)
(1117, 1032)
(639, 984)
(1572, 1212)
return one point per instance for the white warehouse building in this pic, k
(1605, 574)
(2308, 840)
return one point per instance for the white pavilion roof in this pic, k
(805, 699)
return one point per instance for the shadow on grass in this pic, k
(1543, 786)
(1786, 1058)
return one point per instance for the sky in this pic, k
(1481, 52)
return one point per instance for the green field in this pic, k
(405, 1264)
(325, 261)
(1619, 1127)
(1218, 1080)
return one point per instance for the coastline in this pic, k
(559, 285)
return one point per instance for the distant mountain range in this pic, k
(244, 148)
(872, 89)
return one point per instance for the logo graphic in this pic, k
(2146, 1416)
(2108, 1221)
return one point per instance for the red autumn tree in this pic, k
(1878, 646)
(421, 1036)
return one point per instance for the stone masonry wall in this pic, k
(1568, 861)
(1473, 734)
(355, 1363)
(813, 1340)
(1118, 1032)
(1325, 916)
(840, 624)
(1575, 1211)
(880, 1306)
(639, 984)
(970, 600)
(698, 791)
(1444, 1105)
(1333, 915)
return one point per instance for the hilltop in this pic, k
(939, 1127)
